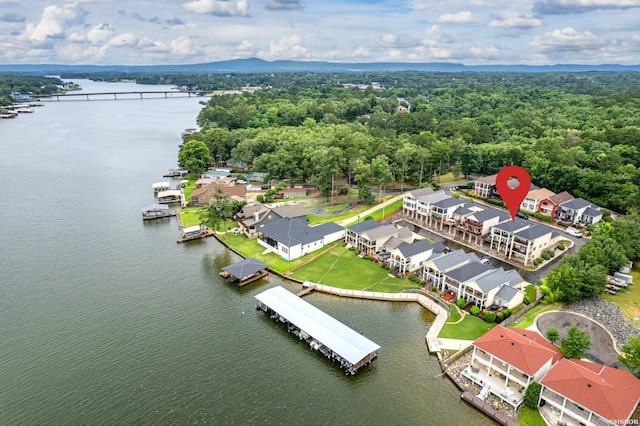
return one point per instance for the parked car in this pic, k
(484, 260)
(522, 216)
(241, 182)
(573, 232)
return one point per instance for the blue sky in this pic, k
(471, 32)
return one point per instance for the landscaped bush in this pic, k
(434, 288)
(494, 202)
(475, 310)
(560, 246)
(366, 257)
(542, 217)
(506, 312)
(461, 303)
(526, 301)
(415, 279)
(537, 261)
(386, 267)
(546, 255)
(499, 316)
(490, 316)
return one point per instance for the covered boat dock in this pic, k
(324, 333)
(246, 271)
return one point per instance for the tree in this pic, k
(532, 395)
(552, 334)
(220, 209)
(631, 355)
(576, 344)
(381, 172)
(194, 156)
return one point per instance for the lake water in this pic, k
(104, 319)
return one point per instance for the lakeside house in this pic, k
(434, 269)
(522, 240)
(583, 392)
(409, 257)
(532, 201)
(506, 360)
(204, 195)
(409, 201)
(579, 212)
(292, 238)
(549, 206)
(256, 215)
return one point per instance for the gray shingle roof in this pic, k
(497, 278)
(407, 250)
(507, 293)
(380, 232)
(468, 271)
(293, 210)
(513, 225)
(328, 228)
(533, 232)
(454, 258)
(576, 204)
(489, 213)
(291, 232)
(433, 198)
(445, 203)
(393, 242)
(245, 268)
(415, 193)
(590, 211)
(364, 226)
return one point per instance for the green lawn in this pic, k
(528, 318)
(530, 417)
(190, 216)
(470, 328)
(335, 208)
(336, 268)
(531, 291)
(190, 186)
(352, 213)
(455, 313)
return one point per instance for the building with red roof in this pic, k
(505, 360)
(582, 392)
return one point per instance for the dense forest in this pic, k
(577, 132)
(35, 85)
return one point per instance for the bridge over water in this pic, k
(123, 95)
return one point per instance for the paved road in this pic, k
(602, 349)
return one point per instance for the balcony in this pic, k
(510, 393)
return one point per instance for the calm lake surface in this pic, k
(104, 319)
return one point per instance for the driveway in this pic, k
(602, 348)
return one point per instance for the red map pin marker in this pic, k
(513, 197)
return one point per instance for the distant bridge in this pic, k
(123, 95)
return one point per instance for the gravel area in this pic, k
(607, 314)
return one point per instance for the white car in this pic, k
(573, 232)
(484, 260)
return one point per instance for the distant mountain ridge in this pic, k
(252, 65)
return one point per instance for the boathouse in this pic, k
(246, 271)
(160, 186)
(324, 333)
(170, 196)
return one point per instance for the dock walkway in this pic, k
(488, 409)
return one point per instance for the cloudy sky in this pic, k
(471, 32)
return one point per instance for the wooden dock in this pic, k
(306, 290)
(488, 409)
(256, 277)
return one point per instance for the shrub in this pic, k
(506, 312)
(386, 267)
(475, 310)
(537, 261)
(415, 279)
(526, 300)
(461, 303)
(531, 395)
(490, 316)
(499, 316)
(542, 217)
(560, 246)
(366, 257)
(551, 253)
(434, 288)
(455, 195)
(546, 255)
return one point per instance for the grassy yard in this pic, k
(455, 314)
(531, 292)
(528, 318)
(628, 300)
(336, 268)
(530, 417)
(352, 213)
(336, 208)
(190, 216)
(470, 328)
(190, 186)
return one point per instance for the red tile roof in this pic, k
(608, 392)
(526, 350)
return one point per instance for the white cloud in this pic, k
(566, 39)
(513, 20)
(397, 40)
(126, 39)
(288, 48)
(245, 49)
(55, 21)
(458, 17)
(218, 7)
(100, 33)
(563, 7)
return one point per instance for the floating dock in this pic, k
(246, 271)
(196, 232)
(155, 211)
(324, 333)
